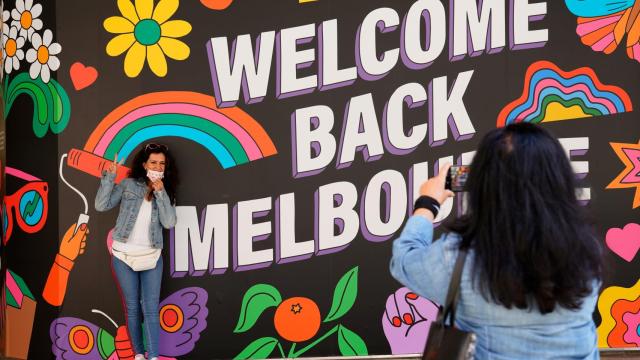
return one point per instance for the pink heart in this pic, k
(624, 242)
(82, 76)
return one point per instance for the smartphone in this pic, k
(457, 177)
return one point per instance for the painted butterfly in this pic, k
(602, 24)
(183, 316)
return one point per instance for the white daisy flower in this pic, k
(42, 55)
(12, 50)
(25, 17)
(6, 16)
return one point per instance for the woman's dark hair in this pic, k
(170, 179)
(532, 241)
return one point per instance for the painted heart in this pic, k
(624, 242)
(82, 76)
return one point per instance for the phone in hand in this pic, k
(456, 178)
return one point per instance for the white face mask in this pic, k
(155, 175)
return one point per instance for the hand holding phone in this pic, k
(457, 178)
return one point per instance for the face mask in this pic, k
(154, 175)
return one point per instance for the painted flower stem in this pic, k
(281, 350)
(292, 350)
(293, 354)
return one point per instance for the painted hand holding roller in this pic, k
(72, 245)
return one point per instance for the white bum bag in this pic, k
(140, 260)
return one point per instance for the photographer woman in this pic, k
(147, 203)
(534, 265)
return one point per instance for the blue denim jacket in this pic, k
(426, 266)
(130, 193)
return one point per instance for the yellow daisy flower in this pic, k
(147, 33)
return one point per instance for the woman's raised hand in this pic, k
(114, 165)
(435, 186)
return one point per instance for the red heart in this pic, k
(82, 76)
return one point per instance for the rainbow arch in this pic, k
(550, 94)
(231, 135)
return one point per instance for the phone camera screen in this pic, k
(457, 177)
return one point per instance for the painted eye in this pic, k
(81, 339)
(171, 318)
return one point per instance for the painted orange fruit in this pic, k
(297, 319)
(216, 4)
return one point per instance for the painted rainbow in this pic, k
(231, 135)
(550, 94)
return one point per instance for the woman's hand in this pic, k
(114, 165)
(434, 187)
(157, 185)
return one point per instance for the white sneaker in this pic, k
(154, 358)
(139, 357)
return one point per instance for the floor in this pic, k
(619, 355)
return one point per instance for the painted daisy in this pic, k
(42, 56)
(145, 33)
(25, 17)
(12, 50)
(6, 15)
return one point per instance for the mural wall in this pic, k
(302, 130)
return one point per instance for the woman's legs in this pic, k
(150, 281)
(129, 282)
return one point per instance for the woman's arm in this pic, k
(109, 193)
(419, 263)
(166, 211)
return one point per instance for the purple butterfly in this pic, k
(183, 316)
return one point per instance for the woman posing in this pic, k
(147, 204)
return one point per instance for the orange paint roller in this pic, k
(93, 164)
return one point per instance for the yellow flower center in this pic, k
(11, 47)
(26, 19)
(43, 54)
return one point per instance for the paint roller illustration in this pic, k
(93, 164)
(83, 218)
(231, 135)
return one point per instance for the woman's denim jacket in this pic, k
(425, 266)
(132, 192)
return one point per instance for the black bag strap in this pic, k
(453, 293)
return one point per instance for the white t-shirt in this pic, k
(139, 239)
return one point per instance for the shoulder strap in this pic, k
(454, 289)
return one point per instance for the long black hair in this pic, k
(170, 180)
(532, 240)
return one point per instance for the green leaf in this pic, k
(258, 349)
(255, 301)
(344, 295)
(51, 104)
(350, 343)
(106, 343)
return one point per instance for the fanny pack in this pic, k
(140, 260)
